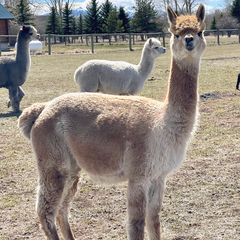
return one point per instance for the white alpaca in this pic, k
(118, 138)
(14, 72)
(117, 77)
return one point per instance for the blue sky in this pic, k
(211, 5)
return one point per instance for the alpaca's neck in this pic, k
(146, 63)
(23, 53)
(182, 96)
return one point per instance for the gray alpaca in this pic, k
(14, 72)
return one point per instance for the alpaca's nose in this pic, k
(188, 39)
(189, 42)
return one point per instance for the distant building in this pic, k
(5, 15)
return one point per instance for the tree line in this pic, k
(149, 16)
(99, 18)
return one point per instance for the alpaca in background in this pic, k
(117, 77)
(118, 138)
(14, 72)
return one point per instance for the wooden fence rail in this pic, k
(50, 39)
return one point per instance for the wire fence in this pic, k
(87, 43)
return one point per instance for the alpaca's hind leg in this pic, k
(50, 192)
(137, 200)
(70, 190)
(155, 197)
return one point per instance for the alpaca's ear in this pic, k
(172, 16)
(200, 14)
(150, 41)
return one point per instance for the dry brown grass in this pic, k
(202, 200)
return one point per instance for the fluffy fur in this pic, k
(14, 72)
(114, 139)
(117, 77)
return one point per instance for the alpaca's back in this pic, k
(112, 77)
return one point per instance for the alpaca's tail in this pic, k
(28, 118)
(76, 74)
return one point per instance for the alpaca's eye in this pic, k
(176, 36)
(199, 34)
(156, 47)
(30, 34)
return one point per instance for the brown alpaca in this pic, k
(117, 138)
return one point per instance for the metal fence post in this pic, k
(49, 44)
(92, 43)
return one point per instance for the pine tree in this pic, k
(73, 26)
(67, 20)
(53, 23)
(93, 18)
(144, 19)
(113, 24)
(235, 10)
(80, 24)
(125, 19)
(213, 23)
(106, 8)
(23, 13)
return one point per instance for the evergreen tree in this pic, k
(123, 16)
(80, 24)
(106, 8)
(144, 19)
(73, 26)
(113, 24)
(235, 10)
(93, 18)
(53, 23)
(67, 20)
(23, 13)
(213, 23)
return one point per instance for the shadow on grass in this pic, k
(10, 114)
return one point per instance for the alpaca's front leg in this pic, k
(137, 200)
(20, 94)
(13, 98)
(155, 198)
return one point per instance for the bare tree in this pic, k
(182, 6)
(225, 21)
(57, 4)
